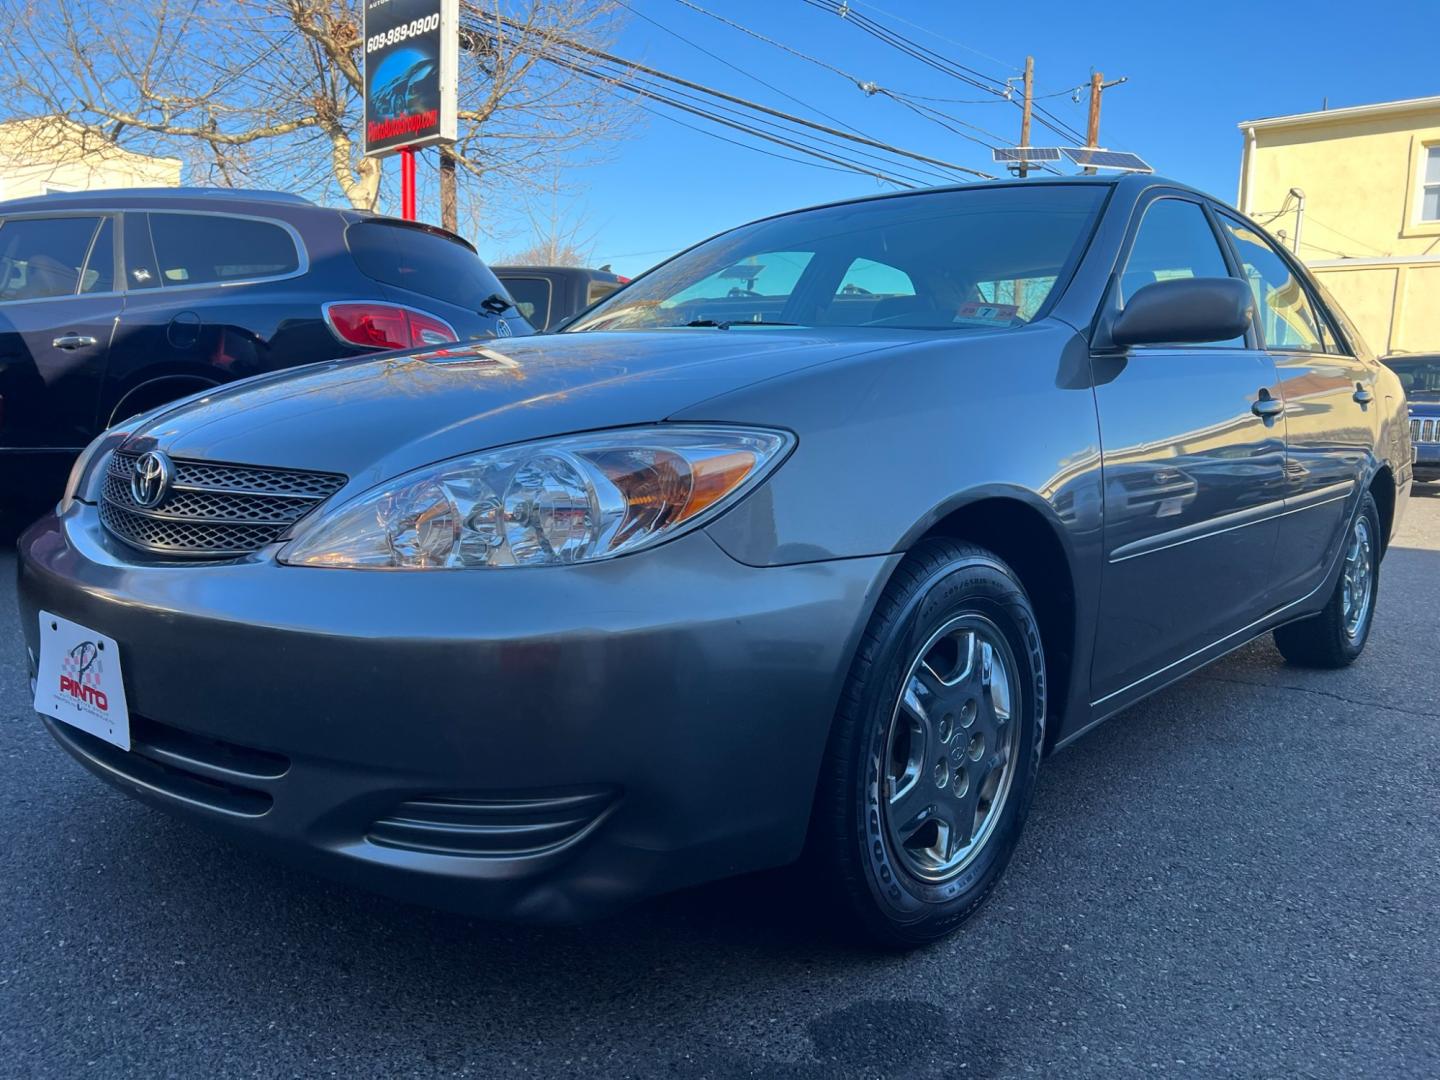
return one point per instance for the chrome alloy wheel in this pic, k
(950, 754)
(1357, 581)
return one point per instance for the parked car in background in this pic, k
(1419, 374)
(114, 302)
(540, 626)
(548, 295)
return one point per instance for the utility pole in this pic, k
(449, 199)
(1029, 100)
(1092, 130)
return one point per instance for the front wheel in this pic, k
(1336, 636)
(932, 762)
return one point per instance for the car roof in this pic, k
(154, 194)
(1130, 183)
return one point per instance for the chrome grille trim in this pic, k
(213, 510)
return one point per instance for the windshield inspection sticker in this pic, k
(78, 680)
(974, 313)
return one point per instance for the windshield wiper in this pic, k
(726, 324)
(495, 304)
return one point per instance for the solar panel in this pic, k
(1026, 153)
(1106, 159)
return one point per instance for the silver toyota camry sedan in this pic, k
(815, 540)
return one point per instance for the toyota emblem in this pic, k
(150, 482)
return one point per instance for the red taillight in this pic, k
(622, 279)
(387, 326)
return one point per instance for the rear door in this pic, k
(1329, 411)
(58, 310)
(212, 297)
(1193, 473)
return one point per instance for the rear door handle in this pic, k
(73, 341)
(1267, 407)
(1362, 395)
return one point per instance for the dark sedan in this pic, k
(819, 537)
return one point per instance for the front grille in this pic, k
(1425, 431)
(213, 509)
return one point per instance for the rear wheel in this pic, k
(1336, 636)
(932, 762)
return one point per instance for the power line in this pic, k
(789, 141)
(736, 67)
(499, 23)
(925, 55)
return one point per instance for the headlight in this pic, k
(560, 501)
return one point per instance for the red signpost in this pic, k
(407, 184)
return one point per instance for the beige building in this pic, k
(48, 154)
(1356, 193)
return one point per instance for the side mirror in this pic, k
(1185, 311)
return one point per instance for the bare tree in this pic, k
(559, 234)
(268, 92)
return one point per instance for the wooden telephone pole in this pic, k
(1025, 110)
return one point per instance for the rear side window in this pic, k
(41, 257)
(423, 262)
(532, 297)
(1286, 315)
(204, 249)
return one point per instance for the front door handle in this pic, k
(1267, 407)
(73, 341)
(1363, 396)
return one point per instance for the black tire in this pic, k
(1326, 640)
(941, 583)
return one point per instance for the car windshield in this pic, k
(1419, 375)
(988, 257)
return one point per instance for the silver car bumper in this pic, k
(541, 744)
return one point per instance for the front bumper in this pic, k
(540, 744)
(1427, 461)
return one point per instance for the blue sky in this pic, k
(1194, 70)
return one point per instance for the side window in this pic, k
(1287, 318)
(865, 277)
(532, 297)
(42, 257)
(141, 270)
(99, 273)
(1174, 241)
(201, 249)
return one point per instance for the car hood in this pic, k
(373, 417)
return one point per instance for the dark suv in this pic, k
(114, 302)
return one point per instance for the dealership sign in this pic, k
(412, 51)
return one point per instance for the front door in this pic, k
(1194, 472)
(58, 309)
(1329, 407)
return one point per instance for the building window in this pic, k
(1430, 185)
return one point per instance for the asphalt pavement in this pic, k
(1239, 877)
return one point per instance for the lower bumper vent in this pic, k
(500, 828)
